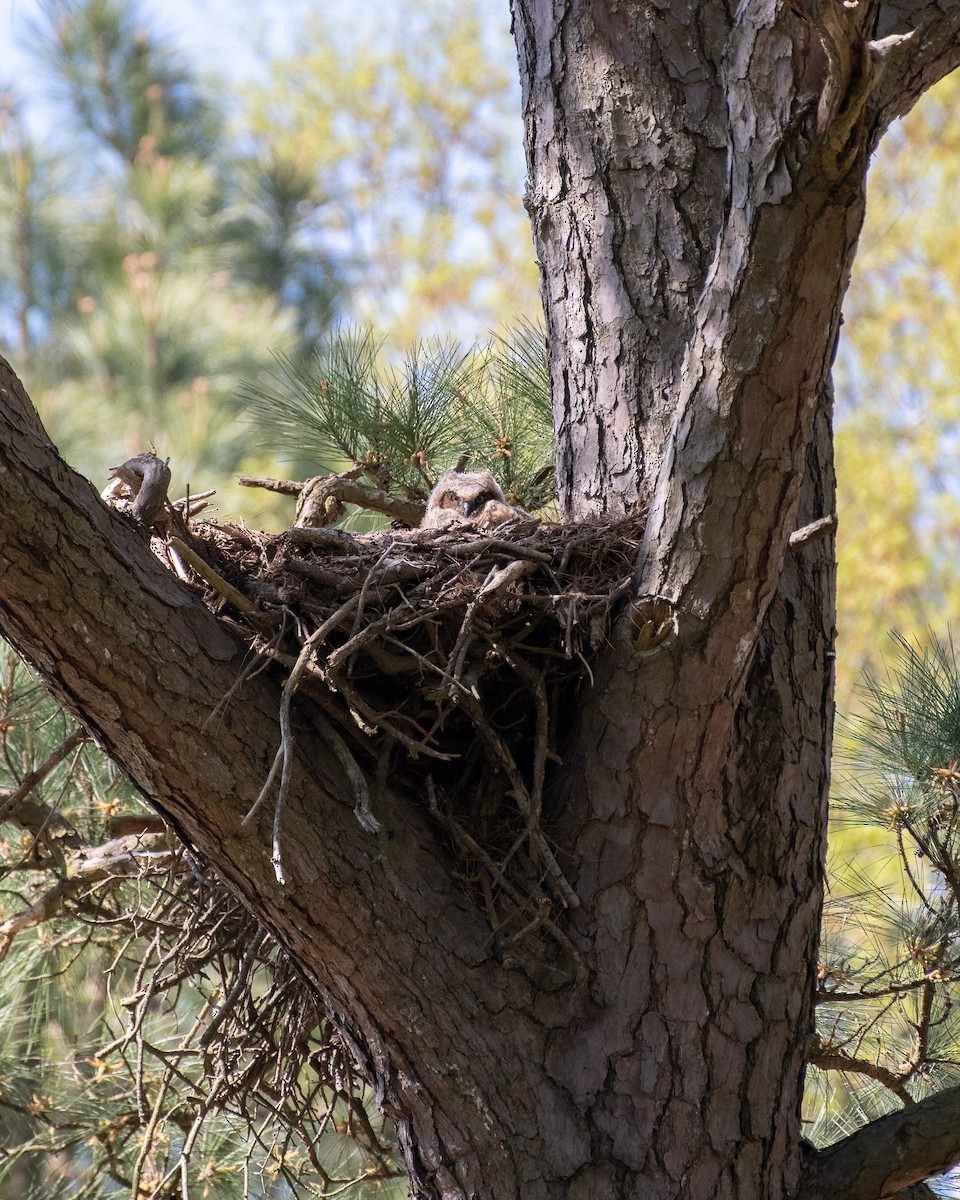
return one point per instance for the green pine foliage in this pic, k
(514, 429)
(888, 1023)
(911, 726)
(406, 422)
(151, 1040)
(149, 263)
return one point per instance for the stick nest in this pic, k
(444, 662)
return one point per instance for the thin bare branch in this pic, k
(830, 1058)
(37, 776)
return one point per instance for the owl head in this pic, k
(464, 492)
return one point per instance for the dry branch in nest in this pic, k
(443, 661)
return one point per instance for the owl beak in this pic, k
(466, 508)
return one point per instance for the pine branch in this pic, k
(322, 497)
(908, 70)
(401, 426)
(10, 800)
(286, 487)
(889, 1155)
(91, 864)
(830, 1058)
(319, 498)
(867, 992)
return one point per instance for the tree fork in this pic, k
(696, 206)
(162, 685)
(695, 244)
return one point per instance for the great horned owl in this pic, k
(468, 498)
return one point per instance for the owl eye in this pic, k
(473, 504)
(449, 500)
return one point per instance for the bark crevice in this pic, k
(695, 233)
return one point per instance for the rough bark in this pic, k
(696, 187)
(715, 167)
(891, 1154)
(662, 143)
(375, 922)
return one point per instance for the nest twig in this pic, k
(260, 1041)
(445, 659)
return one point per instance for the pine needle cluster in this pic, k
(887, 1018)
(153, 1038)
(406, 422)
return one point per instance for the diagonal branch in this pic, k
(916, 65)
(320, 499)
(724, 504)
(161, 684)
(889, 1155)
(829, 1058)
(92, 864)
(10, 800)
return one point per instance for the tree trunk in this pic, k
(696, 192)
(696, 188)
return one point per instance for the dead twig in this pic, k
(287, 487)
(485, 544)
(34, 778)
(224, 589)
(473, 848)
(446, 656)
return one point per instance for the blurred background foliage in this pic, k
(898, 396)
(170, 230)
(167, 239)
(415, 133)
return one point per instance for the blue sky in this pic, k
(231, 38)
